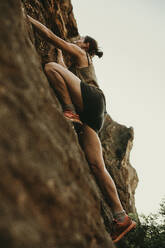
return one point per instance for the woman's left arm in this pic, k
(55, 40)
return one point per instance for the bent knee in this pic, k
(49, 66)
(52, 66)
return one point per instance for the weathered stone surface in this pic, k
(48, 196)
(56, 15)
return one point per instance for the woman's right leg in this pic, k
(66, 84)
(68, 88)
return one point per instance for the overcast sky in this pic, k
(131, 34)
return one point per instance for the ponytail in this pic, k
(93, 47)
(99, 53)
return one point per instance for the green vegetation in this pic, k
(150, 231)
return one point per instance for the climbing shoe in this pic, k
(72, 117)
(119, 229)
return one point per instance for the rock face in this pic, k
(48, 196)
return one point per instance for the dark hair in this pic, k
(93, 47)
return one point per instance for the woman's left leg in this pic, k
(93, 152)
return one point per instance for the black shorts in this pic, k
(94, 106)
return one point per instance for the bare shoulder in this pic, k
(78, 52)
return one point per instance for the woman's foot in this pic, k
(119, 229)
(72, 117)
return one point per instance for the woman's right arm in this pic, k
(60, 59)
(55, 40)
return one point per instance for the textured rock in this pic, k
(58, 16)
(48, 197)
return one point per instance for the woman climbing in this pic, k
(84, 102)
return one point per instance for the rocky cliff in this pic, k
(48, 195)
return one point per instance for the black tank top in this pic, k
(86, 74)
